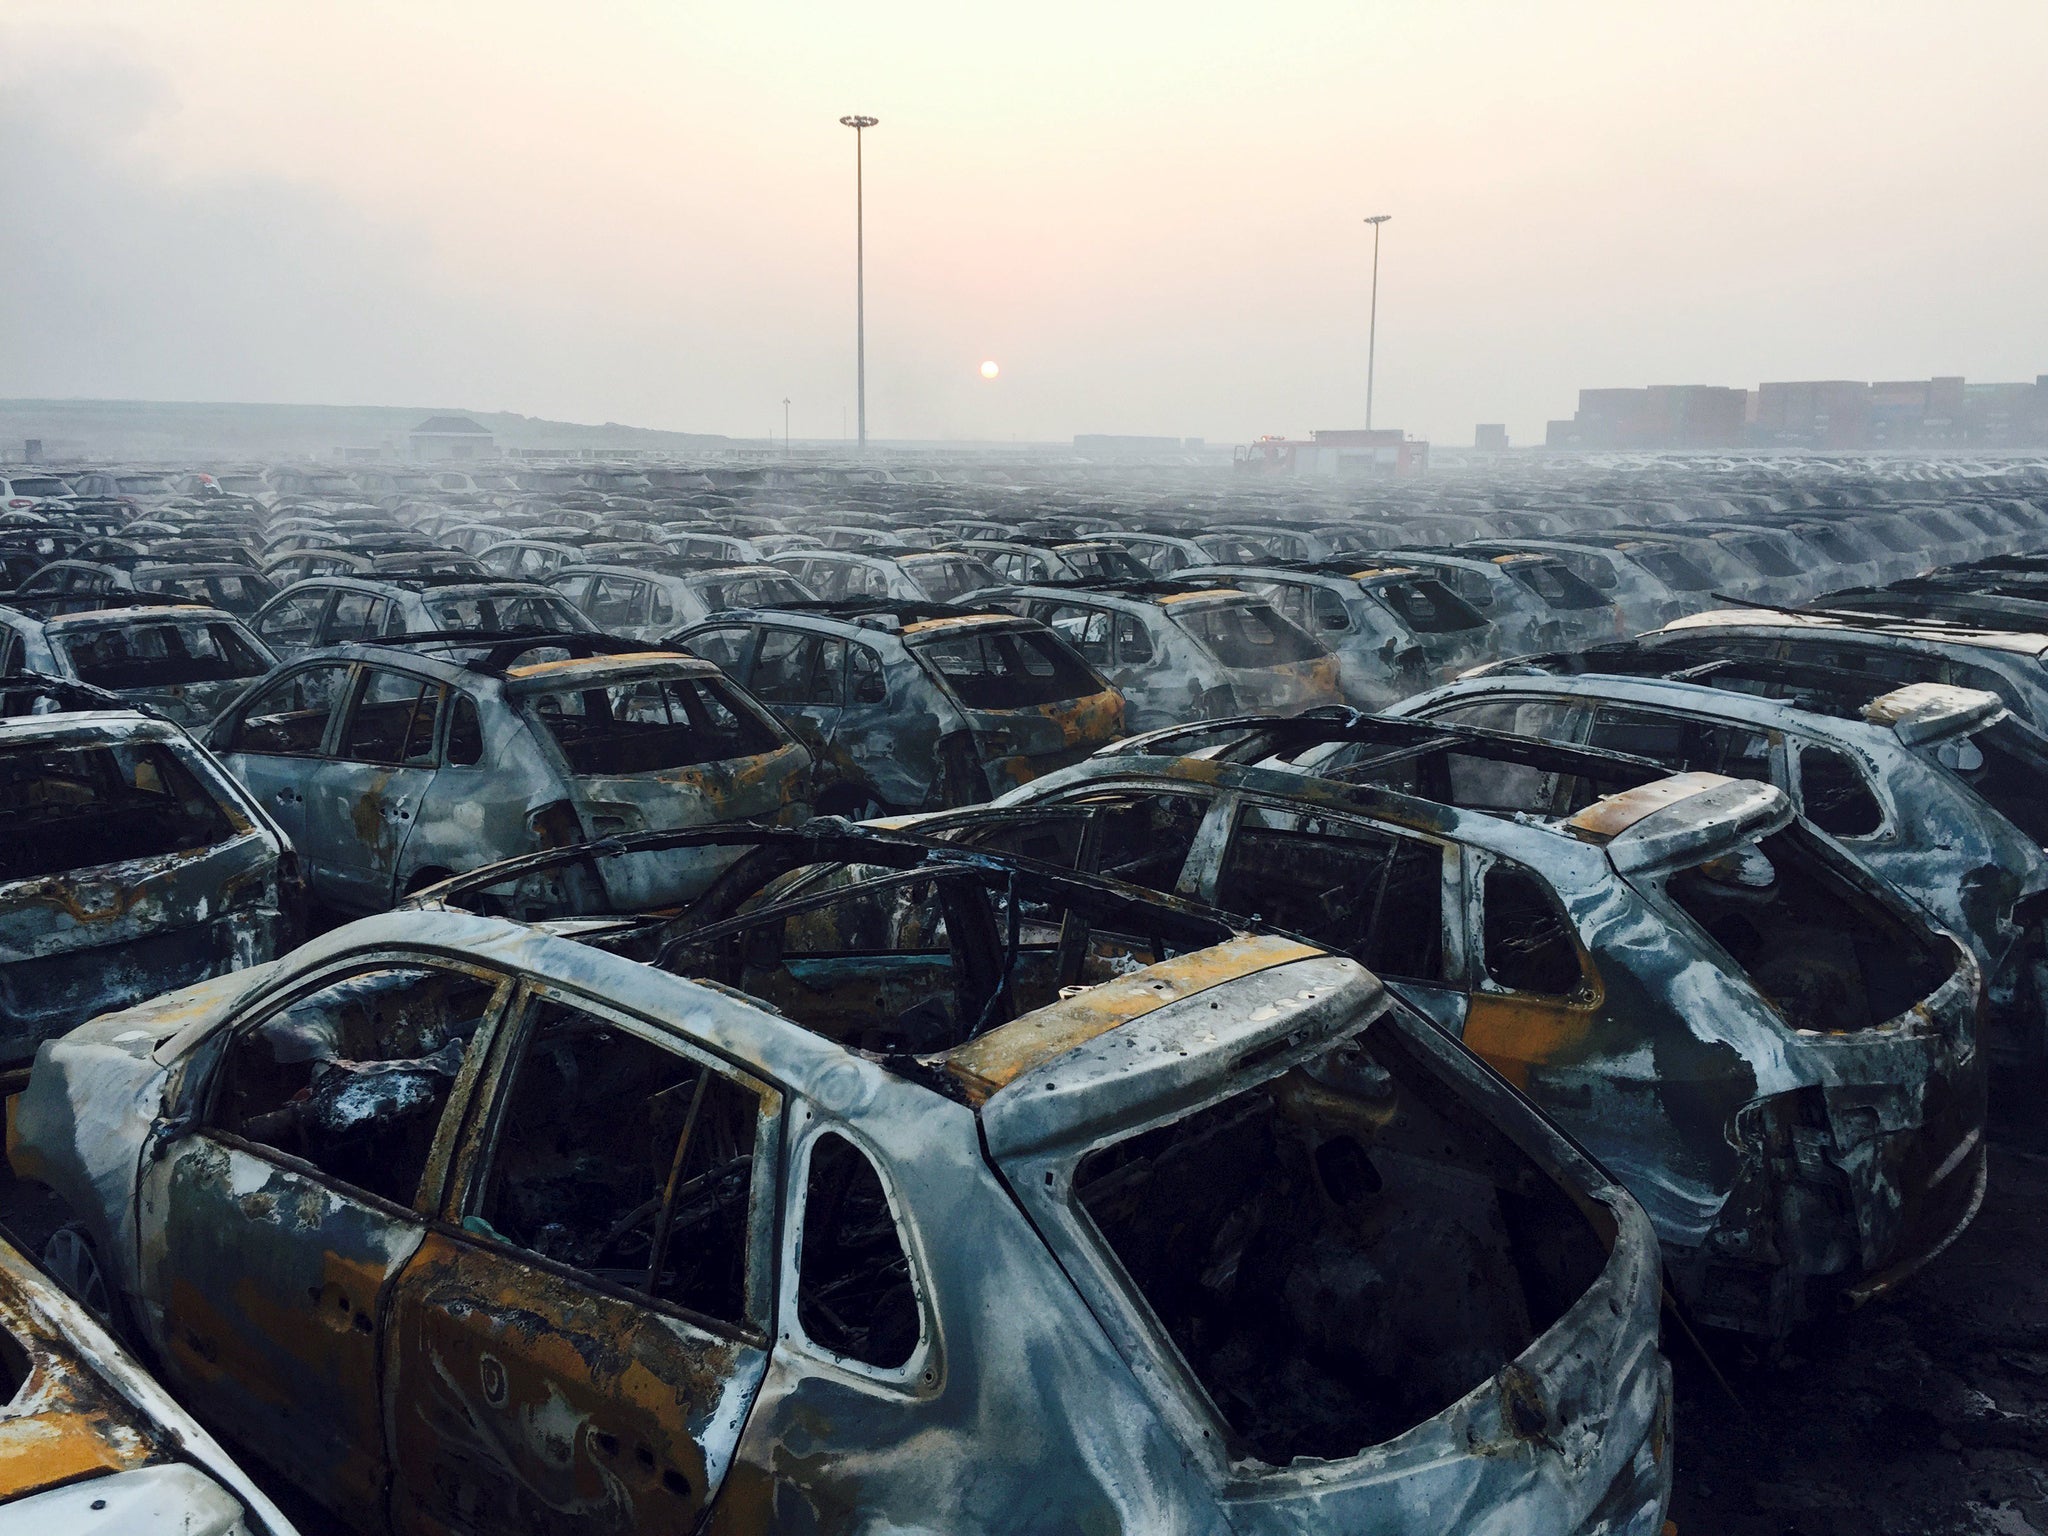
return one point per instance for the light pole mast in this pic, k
(1372, 334)
(860, 125)
(785, 426)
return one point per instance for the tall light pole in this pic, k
(1372, 334)
(860, 125)
(785, 426)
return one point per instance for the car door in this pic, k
(354, 616)
(801, 676)
(362, 798)
(1535, 1006)
(575, 1346)
(1384, 897)
(273, 1228)
(617, 604)
(273, 742)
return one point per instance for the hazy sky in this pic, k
(1149, 214)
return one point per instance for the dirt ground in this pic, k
(1926, 1415)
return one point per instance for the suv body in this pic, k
(1180, 651)
(908, 1268)
(340, 610)
(1393, 629)
(1536, 602)
(395, 766)
(908, 577)
(2012, 664)
(130, 864)
(625, 600)
(1581, 945)
(1875, 785)
(913, 707)
(183, 662)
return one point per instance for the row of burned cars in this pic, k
(871, 1060)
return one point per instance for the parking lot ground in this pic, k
(1924, 1415)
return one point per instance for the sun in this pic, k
(989, 369)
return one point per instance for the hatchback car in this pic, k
(183, 662)
(130, 865)
(1393, 629)
(627, 1235)
(1874, 783)
(647, 604)
(393, 766)
(1771, 1048)
(1186, 650)
(915, 706)
(338, 610)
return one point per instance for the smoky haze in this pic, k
(1150, 218)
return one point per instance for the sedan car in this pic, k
(626, 1234)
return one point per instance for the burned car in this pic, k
(1772, 1049)
(1393, 629)
(183, 661)
(647, 604)
(340, 610)
(1875, 783)
(393, 766)
(913, 706)
(130, 865)
(628, 1233)
(90, 1444)
(1185, 650)
(2010, 663)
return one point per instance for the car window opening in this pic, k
(72, 808)
(1827, 955)
(854, 1291)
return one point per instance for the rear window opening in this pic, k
(161, 655)
(505, 611)
(1557, 585)
(1246, 635)
(1008, 669)
(1340, 1253)
(651, 724)
(1825, 953)
(1673, 569)
(1428, 607)
(68, 808)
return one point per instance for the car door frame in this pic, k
(173, 1143)
(448, 1240)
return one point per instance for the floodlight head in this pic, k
(1374, 218)
(858, 121)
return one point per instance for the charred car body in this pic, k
(183, 662)
(394, 766)
(913, 706)
(89, 1444)
(625, 1233)
(1185, 650)
(1773, 1050)
(130, 865)
(1876, 784)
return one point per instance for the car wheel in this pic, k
(73, 1261)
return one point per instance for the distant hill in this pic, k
(168, 430)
